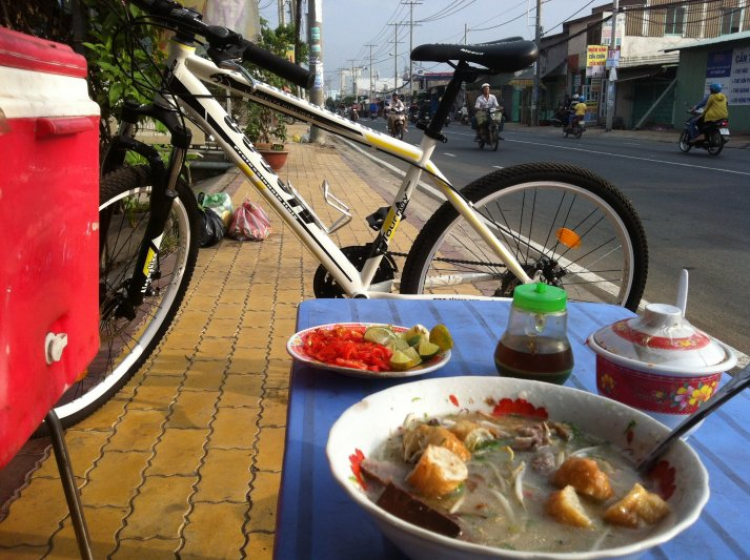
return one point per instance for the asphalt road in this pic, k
(695, 209)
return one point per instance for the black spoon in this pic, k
(734, 386)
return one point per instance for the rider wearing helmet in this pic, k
(485, 101)
(394, 108)
(580, 109)
(715, 104)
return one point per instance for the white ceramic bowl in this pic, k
(368, 423)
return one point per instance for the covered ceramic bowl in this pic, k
(659, 363)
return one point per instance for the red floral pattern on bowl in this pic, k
(654, 392)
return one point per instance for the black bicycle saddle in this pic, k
(506, 55)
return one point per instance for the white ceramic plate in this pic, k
(295, 347)
(366, 425)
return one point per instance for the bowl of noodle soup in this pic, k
(497, 494)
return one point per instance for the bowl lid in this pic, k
(662, 337)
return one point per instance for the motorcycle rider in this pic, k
(715, 109)
(395, 108)
(484, 101)
(569, 108)
(579, 110)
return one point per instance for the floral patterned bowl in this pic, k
(659, 363)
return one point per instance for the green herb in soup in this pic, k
(513, 482)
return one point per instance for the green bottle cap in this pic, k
(539, 298)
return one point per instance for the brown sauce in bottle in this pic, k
(534, 357)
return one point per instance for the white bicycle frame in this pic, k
(187, 72)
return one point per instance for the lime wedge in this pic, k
(427, 349)
(415, 340)
(416, 330)
(400, 361)
(397, 343)
(441, 336)
(380, 335)
(414, 358)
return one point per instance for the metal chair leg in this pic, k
(69, 486)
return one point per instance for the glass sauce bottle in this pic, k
(535, 345)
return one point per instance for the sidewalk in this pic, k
(185, 461)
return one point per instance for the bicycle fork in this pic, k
(163, 193)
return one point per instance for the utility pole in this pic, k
(612, 77)
(538, 67)
(411, 46)
(371, 88)
(395, 56)
(354, 82)
(466, 33)
(315, 62)
(282, 13)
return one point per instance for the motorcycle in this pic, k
(488, 121)
(574, 126)
(715, 135)
(396, 123)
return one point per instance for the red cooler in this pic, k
(49, 195)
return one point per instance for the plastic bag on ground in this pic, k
(220, 203)
(249, 223)
(213, 228)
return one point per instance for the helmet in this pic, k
(576, 96)
(581, 99)
(715, 88)
(485, 85)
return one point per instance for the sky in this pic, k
(350, 25)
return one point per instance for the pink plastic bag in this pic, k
(249, 223)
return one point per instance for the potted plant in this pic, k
(266, 128)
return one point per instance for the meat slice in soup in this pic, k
(518, 482)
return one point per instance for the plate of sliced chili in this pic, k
(341, 347)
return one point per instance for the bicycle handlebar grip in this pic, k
(278, 65)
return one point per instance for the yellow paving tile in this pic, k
(150, 549)
(274, 410)
(193, 409)
(114, 479)
(23, 552)
(35, 515)
(214, 347)
(102, 523)
(259, 546)
(169, 362)
(271, 449)
(238, 389)
(265, 495)
(225, 476)
(178, 452)
(203, 540)
(256, 318)
(221, 326)
(184, 339)
(155, 393)
(234, 428)
(159, 508)
(137, 431)
(206, 374)
(253, 337)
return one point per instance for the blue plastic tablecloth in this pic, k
(317, 520)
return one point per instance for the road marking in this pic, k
(631, 143)
(651, 160)
(498, 166)
(449, 154)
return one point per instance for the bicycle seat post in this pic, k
(451, 94)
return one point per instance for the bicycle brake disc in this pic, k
(325, 285)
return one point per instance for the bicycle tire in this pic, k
(528, 206)
(125, 343)
(715, 143)
(684, 142)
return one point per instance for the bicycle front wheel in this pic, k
(128, 338)
(565, 226)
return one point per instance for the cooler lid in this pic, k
(19, 50)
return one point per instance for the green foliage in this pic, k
(118, 63)
(261, 123)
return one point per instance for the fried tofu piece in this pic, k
(418, 439)
(585, 476)
(637, 507)
(565, 507)
(438, 472)
(472, 434)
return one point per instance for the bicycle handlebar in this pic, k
(185, 19)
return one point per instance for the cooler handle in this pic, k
(62, 126)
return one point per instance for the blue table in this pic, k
(317, 520)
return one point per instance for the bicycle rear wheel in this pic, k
(125, 343)
(565, 225)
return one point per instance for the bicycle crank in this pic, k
(325, 286)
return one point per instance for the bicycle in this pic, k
(552, 223)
